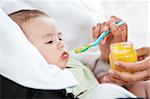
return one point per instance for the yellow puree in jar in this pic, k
(123, 51)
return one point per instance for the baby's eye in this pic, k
(50, 42)
(60, 39)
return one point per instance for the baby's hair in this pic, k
(23, 16)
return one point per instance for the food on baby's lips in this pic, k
(123, 51)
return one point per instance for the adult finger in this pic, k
(94, 34)
(141, 75)
(124, 29)
(117, 81)
(96, 30)
(144, 51)
(105, 79)
(115, 30)
(128, 77)
(133, 67)
(113, 19)
(105, 38)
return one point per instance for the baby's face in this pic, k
(44, 35)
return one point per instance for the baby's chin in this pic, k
(62, 63)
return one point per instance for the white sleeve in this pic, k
(100, 68)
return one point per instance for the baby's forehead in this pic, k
(51, 34)
(42, 25)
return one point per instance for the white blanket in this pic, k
(22, 63)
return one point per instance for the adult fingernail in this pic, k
(99, 24)
(111, 72)
(116, 63)
(106, 79)
(113, 26)
(103, 42)
(105, 28)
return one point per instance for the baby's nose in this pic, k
(60, 45)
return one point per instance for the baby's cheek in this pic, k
(52, 59)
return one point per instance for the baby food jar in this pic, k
(123, 51)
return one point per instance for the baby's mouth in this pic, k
(65, 55)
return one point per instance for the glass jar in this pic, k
(123, 51)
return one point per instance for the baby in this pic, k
(41, 30)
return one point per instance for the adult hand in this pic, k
(140, 70)
(117, 34)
